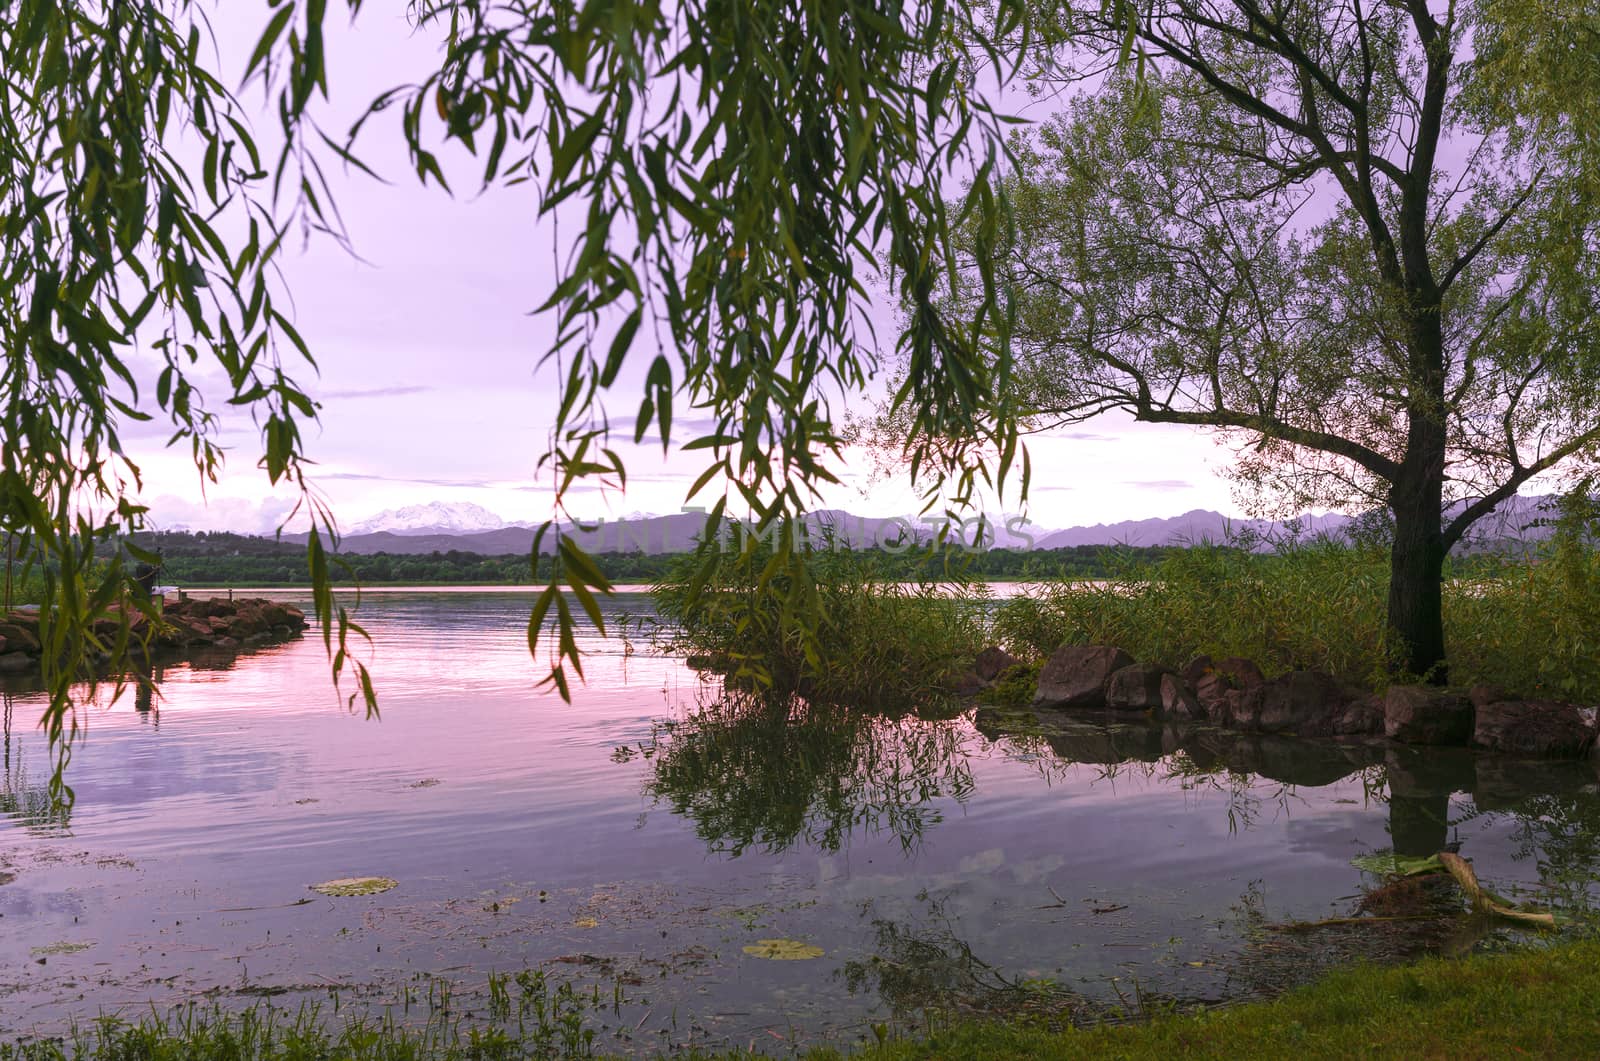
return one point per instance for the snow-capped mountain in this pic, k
(436, 517)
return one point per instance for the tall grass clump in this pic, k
(1304, 604)
(883, 643)
(1532, 625)
(1529, 622)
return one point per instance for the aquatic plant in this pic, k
(348, 886)
(1529, 622)
(885, 644)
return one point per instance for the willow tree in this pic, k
(1357, 236)
(735, 172)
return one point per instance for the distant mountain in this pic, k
(1191, 528)
(472, 529)
(1513, 520)
(436, 517)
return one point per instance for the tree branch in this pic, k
(1486, 504)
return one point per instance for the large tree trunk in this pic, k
(1416, 579)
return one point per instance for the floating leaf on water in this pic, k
(783, 950)
(1387, 863)
(586, 922)
(63, 947)
(355, 886)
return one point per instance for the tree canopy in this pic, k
(739, 172)
(1358, 236)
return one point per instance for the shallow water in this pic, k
(639, 839)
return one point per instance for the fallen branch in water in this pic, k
(1487, 902)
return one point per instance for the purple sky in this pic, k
(428, 354)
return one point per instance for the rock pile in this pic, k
(1236, 694)
(184, 626)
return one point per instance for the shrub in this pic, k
(885, 643)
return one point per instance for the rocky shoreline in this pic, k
(189, 625)
(1234, 694)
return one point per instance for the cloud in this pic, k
(378, 392)
(1159, 484)
(221, 513)
(475, 484)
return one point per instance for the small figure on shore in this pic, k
(146, 574)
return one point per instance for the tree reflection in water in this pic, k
(777, 773)
(24, 798)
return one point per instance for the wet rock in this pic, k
(992, 661)
(1302, 701)
(16, 663)
(1361, 718)
(1135, 688)
(1177, 701)
(1424, 714)
(965, 683)
(1542, 729)
(20, 638)
(1075, 675)
(1212, 693)
(1194, 670)
(1484, 695)
(1241, 673)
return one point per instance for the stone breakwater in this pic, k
(1234, 693)
(185, 626)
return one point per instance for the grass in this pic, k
(1530, 623)
(884, 643)
(1532, 1003)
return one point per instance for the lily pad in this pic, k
(783, 950)
(355, 886)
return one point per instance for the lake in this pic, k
(637, 841)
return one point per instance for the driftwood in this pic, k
(1484, 901)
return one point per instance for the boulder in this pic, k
(965, 683)
(16, 663)
(992, 661)
(1361, 718)
(1135, 688)
(1194, 670)
(1177, 701)
(1075, 675)
(1484, 695)
(1212, 692)
(1241, 673)
(1302, 701)
(1541, 729)
(19, 638)
(1425, 714)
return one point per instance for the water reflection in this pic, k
(24, 796)
(753, 771)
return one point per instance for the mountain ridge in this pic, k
(678, 532)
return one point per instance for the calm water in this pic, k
(642, 837)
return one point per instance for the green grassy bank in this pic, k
(1542, 1002)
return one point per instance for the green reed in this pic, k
(1528, 621)
(884, 643)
